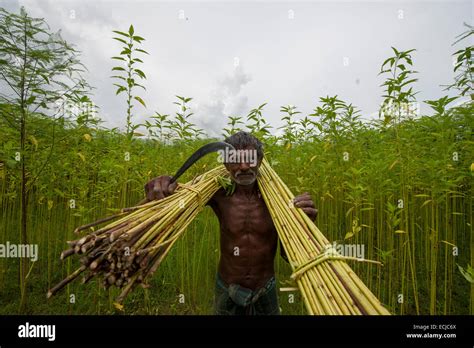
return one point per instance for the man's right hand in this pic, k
(159, 187)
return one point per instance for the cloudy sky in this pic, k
(231, 56)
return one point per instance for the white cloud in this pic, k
(290, 61)
(226, 99)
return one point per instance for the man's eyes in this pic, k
(238, 164)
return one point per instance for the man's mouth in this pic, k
(245, 178)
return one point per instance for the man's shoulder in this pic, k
(220, 193)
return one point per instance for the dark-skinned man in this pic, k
(245, 281)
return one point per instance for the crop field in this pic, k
(400, 186)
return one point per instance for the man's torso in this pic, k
(248, 239)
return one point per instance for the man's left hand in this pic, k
(305, 202)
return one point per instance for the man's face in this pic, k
(243, 168)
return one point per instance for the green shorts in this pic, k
(237, 300)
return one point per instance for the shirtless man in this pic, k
(245, 281)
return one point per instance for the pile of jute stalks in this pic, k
(125, 252)
(327, 283)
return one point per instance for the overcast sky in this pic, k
(233, 56)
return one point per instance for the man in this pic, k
(245, 281)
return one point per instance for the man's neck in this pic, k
(247, 190)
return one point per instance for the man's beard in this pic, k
(245, 180)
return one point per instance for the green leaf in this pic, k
(45, 78)
(227, 184)
(120, 90)
(139, 85)
(30, 100)
(121, 40)
(348, 235)
(120, 33)
(425, 203)
(140, 100)
(349, 211)
(131, 30)
(140, 73)
(467, 273)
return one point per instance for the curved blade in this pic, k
(201, 152)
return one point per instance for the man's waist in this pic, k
(266, 281)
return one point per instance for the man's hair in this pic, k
(242, 139)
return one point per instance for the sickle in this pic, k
(201, 152)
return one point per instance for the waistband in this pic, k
(243, 296)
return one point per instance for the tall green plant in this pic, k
(464, 65)
(258, 126)
(399, 95)
(399, 105)
(440, 105)
(160, 124)
(232, 126)
(289, 128)
(38, 68)
(306, 129)
(128, 73)
(181, 127)
(335, 118)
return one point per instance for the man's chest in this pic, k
(239, 214)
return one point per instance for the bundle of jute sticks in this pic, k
(126, 252)
(327, 284)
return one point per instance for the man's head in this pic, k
(243, 165)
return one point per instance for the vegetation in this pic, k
(37, 68)
(400, 185)
(129, 73)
